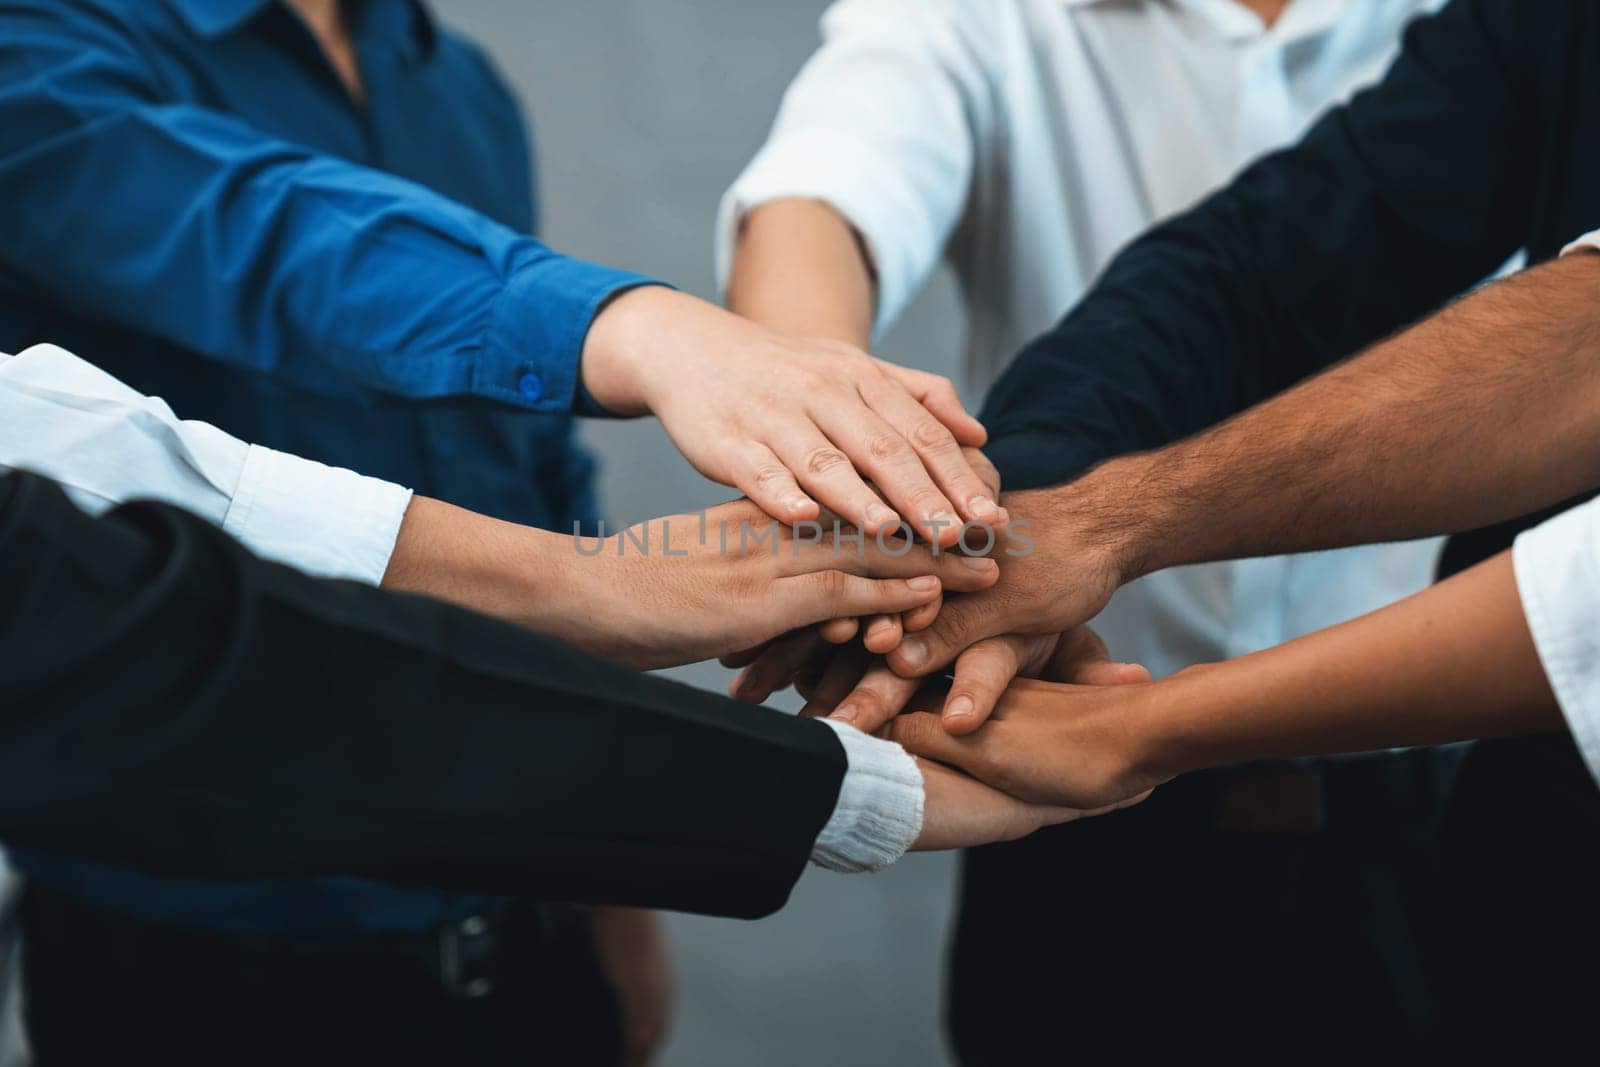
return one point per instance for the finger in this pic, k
(962, 622)
(878, 697)
(883, 632)
(922, 733)
(938, 394)
(1109, 673)
(981, 676)
(811, 598)
(941, 454)
(744, 657)
(760, 475)
(776, 668)
(1083, 659)
(894, 466)
(838, 631)
(837, 680)
(889, 558)
(922, 618)
(986, 471)
(830, 476)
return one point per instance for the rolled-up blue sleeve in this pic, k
(191, 225)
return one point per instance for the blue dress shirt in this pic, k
(190, 197)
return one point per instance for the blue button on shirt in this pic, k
(189, 197)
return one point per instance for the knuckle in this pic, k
(930, 436)
(770, 476)
(926, 499)
(886, 445)
(914, 731)
(833, 585)
(823, 461)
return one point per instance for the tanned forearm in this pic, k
(514, 572)
(1488, 410)
(1454, 662)
(801, 269)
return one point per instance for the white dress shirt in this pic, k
(106, 443)
(64, 418)
(1024, 142)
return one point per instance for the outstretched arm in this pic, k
(1391, 205)
(174, 703)
(1454, 662)
(1485, 412)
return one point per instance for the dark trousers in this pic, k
(1523, 840)
(102, 991)
(1175, 930)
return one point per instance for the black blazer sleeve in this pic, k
(172, 703)
(1391, 205)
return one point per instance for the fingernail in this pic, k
(981, 564)
(913, 651)
(924, 584)
(844, 713)
(959, 708)
(878, 515)
(982, 506)
(946, 519)
(797, 503)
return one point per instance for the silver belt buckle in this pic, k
(465, 949)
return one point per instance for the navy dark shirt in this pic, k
(190, 198)
(1482, 140)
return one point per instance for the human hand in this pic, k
(792, 423)
(633, 953)
(849, 685)
(1047, 743)
(880, 633)
(1063, 559)
(663, 593)
(961, 812)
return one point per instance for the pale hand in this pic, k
(793, 423)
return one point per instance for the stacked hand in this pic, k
(1041, 685)
(796, 424)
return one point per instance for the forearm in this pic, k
(1486, 411)
(398, 737)
(800, 268)
(518, 573)
(1452, 663)
(1390, 206)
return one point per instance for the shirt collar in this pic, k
(217, 18)
(214, 18)
(1232, 20)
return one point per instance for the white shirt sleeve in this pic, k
(1558, 578)
(105, 443)
(1589, 241)
(880, 124)
(879, 811)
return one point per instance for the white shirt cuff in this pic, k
(1558, 578)
(327, 521)
(1590, 241)
(879, 811)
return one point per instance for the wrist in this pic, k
(1174, 727)
(512, 572)
(625, 344)
(1116, 509)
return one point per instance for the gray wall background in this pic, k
(644, 111)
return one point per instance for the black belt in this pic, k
(470, 958)
(1309, 796)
